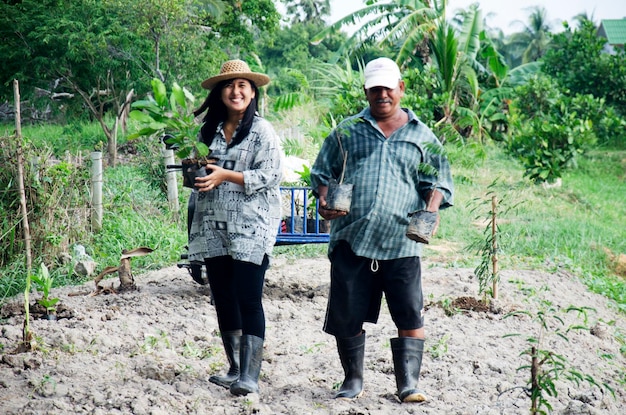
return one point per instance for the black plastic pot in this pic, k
(191, 170)
(339, 196)
(421, 226)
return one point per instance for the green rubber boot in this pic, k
(351, 353)
(407, 362)
(231, 341)
(250, 361)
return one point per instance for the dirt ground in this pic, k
(151, 351)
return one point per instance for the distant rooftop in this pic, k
(614, 30)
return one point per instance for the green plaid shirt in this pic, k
(388, 182)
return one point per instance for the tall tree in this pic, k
(403, 25)
(307, 10)
(242, 25)
(576, 60)
(534, 38)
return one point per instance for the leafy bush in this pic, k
(421, 96)
(576, 59)
(548, 129)
(56, 196)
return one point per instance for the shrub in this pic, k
(548, 129)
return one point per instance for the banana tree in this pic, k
(403, 25)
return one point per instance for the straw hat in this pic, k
(236, 69)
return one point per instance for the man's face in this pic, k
(384, 102)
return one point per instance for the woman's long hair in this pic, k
(217, 113)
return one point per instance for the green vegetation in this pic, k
(576, 227)
(172, 115)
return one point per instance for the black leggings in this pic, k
(237, 289)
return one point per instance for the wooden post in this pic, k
(172, 186)
(20, 177)
(494, 245)
(96, 190)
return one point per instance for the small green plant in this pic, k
(447, 306)
(547, 366)
(315, 348)
(46, 382)
(186, 369)
(190, 349)
(170, 117)
(152, 343)
(305, 180)
(489, 246)
(441, 348)
(27, 335)
(43, 282)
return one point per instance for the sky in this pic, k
(505, 12)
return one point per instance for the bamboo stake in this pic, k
(494, 246)
(27, 336)
(20, 177)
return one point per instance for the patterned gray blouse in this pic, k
(241, 221)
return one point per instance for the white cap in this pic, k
(382, 72)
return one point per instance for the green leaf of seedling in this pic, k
(144, 104)
(202, 149)
(178, 96)
(159, 91)
(189, 96)
(184, 152)
(141, 133)
(140, 116)
(48, 303)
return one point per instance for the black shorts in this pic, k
(356, 288)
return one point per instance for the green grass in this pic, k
(76, 137)
(137, 214)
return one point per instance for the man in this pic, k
(386, 149)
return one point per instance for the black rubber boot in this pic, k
(231, 341)
(407, 362)
(351, 354)
(250, 365)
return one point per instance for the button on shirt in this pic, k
(389, 181)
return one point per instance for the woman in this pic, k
(237, 215)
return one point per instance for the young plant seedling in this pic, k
(173, 121)
(546, 366)
(43, 284)
(170, 117)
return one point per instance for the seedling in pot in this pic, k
(422, 222)
(339, 195)
(172, 120)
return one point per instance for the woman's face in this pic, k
(237, 94)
